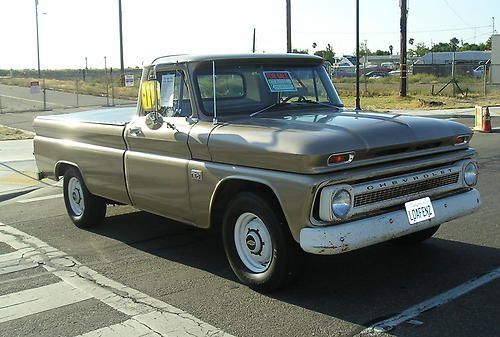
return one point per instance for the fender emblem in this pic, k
(196, 175)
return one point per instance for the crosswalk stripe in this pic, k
(17, 267)
(130, 327)
(14, 256)
(36, 300)
(24, 201)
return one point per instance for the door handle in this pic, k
(135, 131)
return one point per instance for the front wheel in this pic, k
(258, 243)
(84, 208)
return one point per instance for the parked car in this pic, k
(377, 74)
(478, 72)
(261, 148)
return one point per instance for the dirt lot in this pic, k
(7, 133)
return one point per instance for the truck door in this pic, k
(156, 160)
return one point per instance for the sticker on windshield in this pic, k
(279, 81)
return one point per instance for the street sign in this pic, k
(129, 80)
(35, 87)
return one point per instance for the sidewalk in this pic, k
(18, 171)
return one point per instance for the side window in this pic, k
(175, 99)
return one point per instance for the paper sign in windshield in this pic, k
(279, 81)
(167, 90)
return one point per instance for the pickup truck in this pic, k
(261, 148)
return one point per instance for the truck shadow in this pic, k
(361, 287)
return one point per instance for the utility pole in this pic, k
(253, 44)
(122, 67)
(358, 105)
(85, 70)
(288, 27)
(37, 39)
(106, 80)
(38, 57)
(493, 24)
(402, 60)
(364, 66)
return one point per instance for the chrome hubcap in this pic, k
(253, 242)
(75, 196)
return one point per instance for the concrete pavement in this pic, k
(18, 171)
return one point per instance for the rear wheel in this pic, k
(417, 237)
(258, 243)
(84, 208)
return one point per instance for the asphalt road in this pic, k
(13, 98)
(335, 295)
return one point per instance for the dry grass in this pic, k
(7, 133)
(424, 102)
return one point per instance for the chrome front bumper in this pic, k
(356, 234)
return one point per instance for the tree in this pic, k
(420, 49)
(440, 47)
(328, 54)
(300, 51)
(454, 44)
(488, 44)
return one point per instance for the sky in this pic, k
(71, 30)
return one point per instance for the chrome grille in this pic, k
(404, 190)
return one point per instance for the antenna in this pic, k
(215, 100)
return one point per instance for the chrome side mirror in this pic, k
(154, 120)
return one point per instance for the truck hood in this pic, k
(302, 142)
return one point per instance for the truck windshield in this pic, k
(251, 89)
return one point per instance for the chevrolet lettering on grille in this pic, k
(410, 179)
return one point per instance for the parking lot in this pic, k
(139, 274)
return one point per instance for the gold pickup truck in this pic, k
(261, 148)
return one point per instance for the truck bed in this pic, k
(114, 116)
(90, 140)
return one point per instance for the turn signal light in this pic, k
(463, 139)
(340, 158)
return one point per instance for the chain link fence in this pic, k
(22, 90)
(430, 81)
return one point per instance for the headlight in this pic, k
(341, 204)
(470, 174)
(335, 202)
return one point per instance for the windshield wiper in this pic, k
(269, 107)
(308, 101)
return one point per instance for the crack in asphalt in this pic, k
(56, 261)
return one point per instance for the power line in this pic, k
(476, 36)
(454, 12)
(395, 32)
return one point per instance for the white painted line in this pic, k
(158, 317)
(128, 328)
(35, 101)
(32, 301)
(17, 267)
(17, 255)
(24, 201)
(431, 303)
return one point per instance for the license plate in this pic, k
(419, 210)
